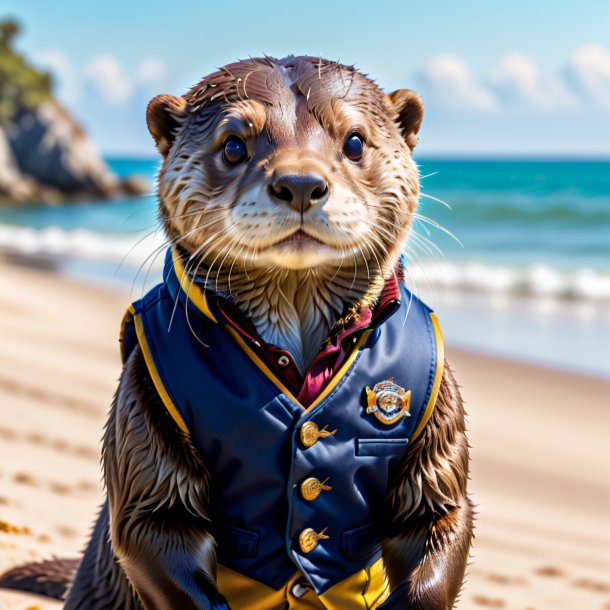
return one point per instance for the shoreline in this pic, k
(517, 327)
(74, 271)
(539, 439)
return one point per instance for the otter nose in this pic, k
(300, 191)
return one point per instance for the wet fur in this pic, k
(152, 546)
(299, 111)
(155, 513)
(159, 487)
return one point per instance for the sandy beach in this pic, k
(539, 471)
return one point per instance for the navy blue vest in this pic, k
(249, 431)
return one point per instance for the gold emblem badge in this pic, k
(388, 402)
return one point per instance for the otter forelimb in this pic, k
(432, 521)
(157, 495)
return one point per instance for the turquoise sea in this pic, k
(522, 246)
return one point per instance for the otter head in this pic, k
(296, 163)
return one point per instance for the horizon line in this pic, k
(474, 157)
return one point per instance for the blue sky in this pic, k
(498, 78)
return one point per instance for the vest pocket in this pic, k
(236, 543)
(392, 447)
(360, 543)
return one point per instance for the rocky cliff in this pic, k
(44, 154)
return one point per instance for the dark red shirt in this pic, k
(331, 356)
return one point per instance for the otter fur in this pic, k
(300, 260)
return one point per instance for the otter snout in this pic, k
(300, 191)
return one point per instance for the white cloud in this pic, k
(588, 73)
(517, 82)
(517, 79)
(560, 108)
(150, 71)
(450, 84)
(66, 80)
(105, 75)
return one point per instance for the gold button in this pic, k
(308, 539)
(310, 433)
(311, 488)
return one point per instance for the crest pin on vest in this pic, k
(388, 402)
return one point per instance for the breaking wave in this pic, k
(537, 279)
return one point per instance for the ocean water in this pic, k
(514, 254)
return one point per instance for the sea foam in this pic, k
(53, 244)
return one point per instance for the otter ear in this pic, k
(164, 115)
(409, 110)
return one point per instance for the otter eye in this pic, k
(353, 147)
(234, 150)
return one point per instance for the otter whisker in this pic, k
(444, 203)
(355, 270)
(385, 231)
(232, 246)
(411, 235)
(150, 196)
(207, 276)
(237, 256)
(198, 256)
(413, 261)
(158, 224)
(246, 270)
(159, 227)
(405, 249)
(180, 216)
(411, 293)
(186, 272)
(369, 244)
(186, 310)
(380, 267)
(169, 240)
(155, 253)
(339, 267)
(176, 241)
(436, 225)
(146, 236)
(427, 244)
(368, 272)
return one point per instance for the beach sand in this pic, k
(540, 452)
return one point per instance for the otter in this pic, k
(281, 347)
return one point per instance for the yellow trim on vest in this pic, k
(364, 590)
(438, 376)
(197, 297)
(192, 291)
(269, 374)
(127, 318)
(341, 372)
(152, 369)
(260, 364)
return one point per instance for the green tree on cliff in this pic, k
(21, 85)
